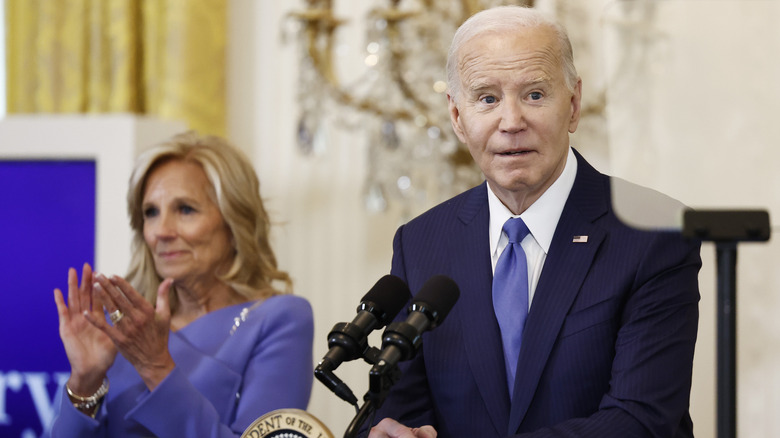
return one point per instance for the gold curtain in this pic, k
(158, 57)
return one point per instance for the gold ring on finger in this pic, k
(116, 316)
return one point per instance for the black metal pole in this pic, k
(727, 339)
(368, 409)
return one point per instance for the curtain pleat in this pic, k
(163, 58)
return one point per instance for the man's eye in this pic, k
(535, 95)
(489, 99)
(150, 212)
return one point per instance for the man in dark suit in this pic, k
(612, 311)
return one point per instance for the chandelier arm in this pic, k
(394, 17)
(397, 59)
(321, 24)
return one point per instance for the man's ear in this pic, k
(576, 106)
(455, 118)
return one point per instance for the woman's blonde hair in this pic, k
(236, 191)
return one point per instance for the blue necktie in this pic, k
(510, 295)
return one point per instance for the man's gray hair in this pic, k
(505, 19)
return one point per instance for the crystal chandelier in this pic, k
(398, 102)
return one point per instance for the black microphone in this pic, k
(430, 306)
(349, 341)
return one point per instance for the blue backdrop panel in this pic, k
(47, 224)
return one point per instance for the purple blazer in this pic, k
(222, 381)
(608, 343)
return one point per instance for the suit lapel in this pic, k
(482, 339)
(565, 269)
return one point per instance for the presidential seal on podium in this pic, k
(287, 423)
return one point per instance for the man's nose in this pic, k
(512, 116)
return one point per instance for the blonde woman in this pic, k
(199, 342)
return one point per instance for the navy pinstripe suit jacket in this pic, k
(608, 343)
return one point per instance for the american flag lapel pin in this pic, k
(580, 239)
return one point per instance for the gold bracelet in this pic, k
(83, 403)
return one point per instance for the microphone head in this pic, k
(436, 298)
(386, 298)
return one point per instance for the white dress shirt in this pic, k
(541, 218)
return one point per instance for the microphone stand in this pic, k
(380, 379)
(726, 228)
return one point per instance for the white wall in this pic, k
(692, 112)
(323, 236)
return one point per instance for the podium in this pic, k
(287, 423)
